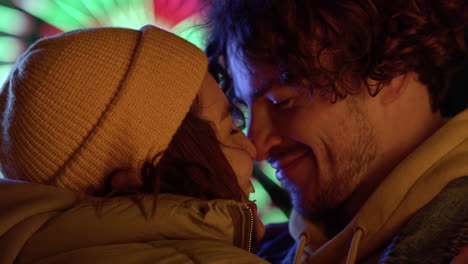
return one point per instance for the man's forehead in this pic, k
(251, 78)
(251, 85)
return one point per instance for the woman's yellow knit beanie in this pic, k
(80, 105)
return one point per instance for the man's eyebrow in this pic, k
(260, 90)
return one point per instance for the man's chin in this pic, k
(313, 213)
(303, 207)
(312, 207)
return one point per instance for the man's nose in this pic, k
(261, 131)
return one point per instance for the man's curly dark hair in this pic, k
(330, 45)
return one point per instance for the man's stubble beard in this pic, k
(350, 169)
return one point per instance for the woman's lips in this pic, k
(250, 187)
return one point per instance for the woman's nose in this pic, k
(249, 146)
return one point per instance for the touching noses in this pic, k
(261, 132)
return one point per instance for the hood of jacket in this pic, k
(51, 225)
(419, 178)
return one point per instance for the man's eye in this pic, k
(282, 104)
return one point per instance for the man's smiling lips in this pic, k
(281, 164)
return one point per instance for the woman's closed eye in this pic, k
(234, 130)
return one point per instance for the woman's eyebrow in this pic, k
(227, 112)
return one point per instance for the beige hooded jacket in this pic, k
(44, 224)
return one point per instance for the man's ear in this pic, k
(392, 91)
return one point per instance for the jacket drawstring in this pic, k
(352, 253)
(300, 248)
(353, 249)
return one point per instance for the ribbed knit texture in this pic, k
(83, 104)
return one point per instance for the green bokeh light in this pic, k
(269, 171)
(274, 215)
(12, 21)
(4, 72)
(130, 14)
(81, 17)
(187, 30)
(267, 213)
(71, 15)
(11, 48)
(50, 12)
(260, 196)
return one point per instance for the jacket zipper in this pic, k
(251, 224)
(243, 218)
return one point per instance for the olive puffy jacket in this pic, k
(44, 224)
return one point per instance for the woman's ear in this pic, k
(126, 181)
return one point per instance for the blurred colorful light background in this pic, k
(24, 21)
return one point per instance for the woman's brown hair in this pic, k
(193, 164)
